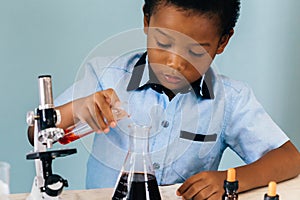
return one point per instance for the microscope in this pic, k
(45, 118)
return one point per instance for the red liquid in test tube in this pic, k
(74, 133)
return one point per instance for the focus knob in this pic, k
(30, 118)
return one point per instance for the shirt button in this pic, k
(165, 123)
(156, 165)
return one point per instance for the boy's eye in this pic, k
(196, 53)
(163, 45)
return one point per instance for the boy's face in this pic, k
(181, 45)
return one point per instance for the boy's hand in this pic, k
(205, 185)
(95, 110)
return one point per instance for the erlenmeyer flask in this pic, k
(137, 179)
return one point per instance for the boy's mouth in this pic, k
(172, 79)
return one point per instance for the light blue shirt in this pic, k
(189, 134)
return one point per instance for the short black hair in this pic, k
(227, 11)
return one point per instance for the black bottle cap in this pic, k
(271, 198)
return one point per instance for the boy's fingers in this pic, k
(188, 183)
(91, 123)
(104, 100)
(100, 120)
(107, 114)
(111, 97)
(199, 191)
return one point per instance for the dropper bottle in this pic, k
(271, 195)
(230, 186)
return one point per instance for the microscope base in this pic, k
(36, 193)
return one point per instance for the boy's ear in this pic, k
(146, 20)
(224, 41)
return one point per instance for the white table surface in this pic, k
(288, 190)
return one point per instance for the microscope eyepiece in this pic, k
(45, 90)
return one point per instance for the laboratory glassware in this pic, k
(82, 129)
(137, 179)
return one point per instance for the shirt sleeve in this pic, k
(86, 82)
(250, 131)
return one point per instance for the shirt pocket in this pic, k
(203, 143)
(198, 156)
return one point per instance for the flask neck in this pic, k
(138, 145)
(139, 139)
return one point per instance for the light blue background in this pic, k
(54, 37)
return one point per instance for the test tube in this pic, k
(81, 129)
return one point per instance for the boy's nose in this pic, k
(176, 62)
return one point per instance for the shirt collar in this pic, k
(143, 77)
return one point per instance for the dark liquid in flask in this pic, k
(139, 188)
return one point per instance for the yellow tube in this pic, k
(231, 175)
(272, 189)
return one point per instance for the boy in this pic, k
(199, 113)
